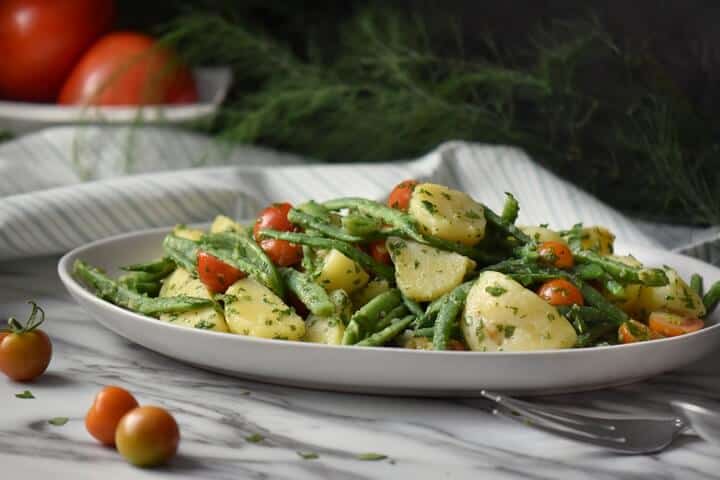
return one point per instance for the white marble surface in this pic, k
(423, 438)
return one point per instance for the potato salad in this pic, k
(430, 269)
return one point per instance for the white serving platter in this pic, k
(388, 371)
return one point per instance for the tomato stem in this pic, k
(32, 323)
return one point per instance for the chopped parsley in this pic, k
(371, 456)
(506, 330)
(26, 394)
(58, 421)
(254, 438)
(473, 215)
(446, 195)
(429, 206)
(308, 455)
(495, 290)
(204, 325)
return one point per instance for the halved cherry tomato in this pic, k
(125, 68)
(110, 405)
(557, 254)
(633, 331)
(456, 345)
(41, 41)
(672, 325)
(147, 436)
(379, 252)
(215, 274)
(561, 292)
(400, 196)
(25, 351)
(281, 252)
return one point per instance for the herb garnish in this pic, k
(495, 290)
(25, 394)
(254, 438)
(308, 455)
(58, 421)
(429, 206)
(371, 456)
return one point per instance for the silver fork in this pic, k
(624, 435)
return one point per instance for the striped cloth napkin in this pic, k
(66, 186)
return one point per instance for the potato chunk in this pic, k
(502, 315)
(256, 311)
(340, 272)
(425, 273)
(180, 282)
(374, 287)
(676, 297)
(448, 214)
(597, 238)
(193, 234)
(225, 224)
(632, 292)
(541, 234)
(327, 330)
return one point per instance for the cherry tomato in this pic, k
(400, 196)
(41, 41)
(125, 68)
(456, 345)
(379, 252)
(281, 252)
(560, 292)
(147, 436)
(110, 405)
(633, 331)
(216, 274)
(557, 254)
(25, 351)
(672, 325)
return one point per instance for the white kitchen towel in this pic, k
(62, 187)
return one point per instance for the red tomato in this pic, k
(216, 274)
(633, 331)
(281, 252)
(147, 436)
(672, 325)
(400, 196)
(560, 292)
(379, 252)
(25, 351)
(557, 254)
(110, 405)
(125, 68)
(42, 40)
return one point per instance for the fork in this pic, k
(623, 435)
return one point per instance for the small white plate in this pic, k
(24, 117)
(388, 371)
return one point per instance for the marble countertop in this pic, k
(423, 438)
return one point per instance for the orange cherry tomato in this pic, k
(379, 252)
(633, 331)
(672, 325)
(281, 252)
(456, 345)
(147, 436)
(125, 68)
(400, 196)
(110, 405)
(560, 292)
(215, 274)
(25, 351)
(557, 254)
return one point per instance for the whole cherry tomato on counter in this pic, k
(147, 436)
(42, 40)
(400, 196)
(25, 351)
(125, 68)
(110, 405)
(216, 274)
(281, 252)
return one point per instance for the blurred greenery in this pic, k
(374, 81)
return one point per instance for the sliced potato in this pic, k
(374, 287)
(180, 282)
(225, 224)
(256, 311)
(340, 272)
(448, 214)
(408, 340)
(425, 273)
(597, 238)
(193, 234)
(502, 315)
(676, 297)
(541, 234)
(327, 330)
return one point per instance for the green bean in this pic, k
(367, 316)
(507, 228)
(380, 338)
(426, 332)
(343, 305)
(413, 307)
(651, 277)
(147, 280)
(361, 225)
(365, 260)
(308, 260)
(387, 317)
(312, 295)
(712, 298)
(313, 208)
(696, 283)
(182, 251)
(243, 245)
(137, 284)
(591, 315)
(318, 224)
(589, 271)
(111, 291)
(593, 334)
(162, 265)
(447, 317)
(510, 209)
